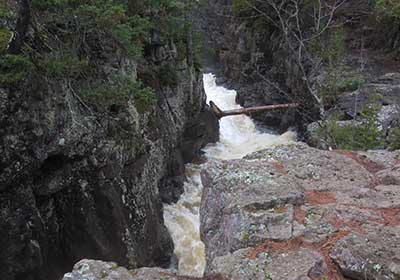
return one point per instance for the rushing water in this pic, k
(238, 137)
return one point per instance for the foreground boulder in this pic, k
(99, 270)
(294, 212)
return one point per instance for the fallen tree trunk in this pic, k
(245, 111)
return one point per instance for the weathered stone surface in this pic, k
(374, 254)
(96, 270)
(244, 205)
(293, 265)
(296, 209)
(99, 270)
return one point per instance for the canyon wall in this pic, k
(79, 182)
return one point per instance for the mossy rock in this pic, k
(5, 37)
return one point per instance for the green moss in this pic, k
(145, 99)
(280, 209)
(5, 37)
(245, 236)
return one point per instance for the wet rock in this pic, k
(198, 133)
(171, 185)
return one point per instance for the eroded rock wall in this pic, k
(80, 183)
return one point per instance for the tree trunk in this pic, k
(246, 111)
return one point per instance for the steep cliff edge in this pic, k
(88, 133)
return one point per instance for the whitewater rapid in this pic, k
(238, 137)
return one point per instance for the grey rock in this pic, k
(302, 264)
(373, 255)
(99, 270)
(386, 91)
(289, 212)
(240, 202)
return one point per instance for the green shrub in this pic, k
(14, 69)
(5, 37)
(242, 6)
(109, 20)
(351, 84)
(61, 65)
(389, 8)
(119, 90)
(394, 139)
(362, 135)
(245, 236)
(145, 99)
(168, 75)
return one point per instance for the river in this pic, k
(238, 137)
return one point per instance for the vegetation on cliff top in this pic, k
(73, 39)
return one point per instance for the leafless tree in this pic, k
(301, 22)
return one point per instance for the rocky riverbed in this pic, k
(293, 212)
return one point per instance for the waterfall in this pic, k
(238, 137)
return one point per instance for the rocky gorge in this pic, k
(281, 213)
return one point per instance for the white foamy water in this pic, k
(238, 137)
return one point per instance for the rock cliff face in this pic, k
(76, 182)
(295, 212)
